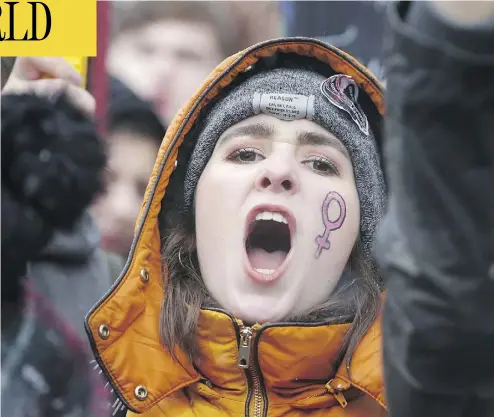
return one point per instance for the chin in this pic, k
(260, 311)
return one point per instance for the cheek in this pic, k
(98, 208)
(352, 221)
(187, 80)
(221, 186)
(136, 75)
(350, 225)
(217, 202)
(336, 221)
(217, 207)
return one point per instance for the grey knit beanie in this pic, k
(331, 103)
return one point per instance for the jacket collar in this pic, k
(294, 361)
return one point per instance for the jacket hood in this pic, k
(123, 327)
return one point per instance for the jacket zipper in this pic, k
(337, 393)
(247, 363)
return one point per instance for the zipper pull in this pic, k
(341, 399)
(244, 348)
(337, 393)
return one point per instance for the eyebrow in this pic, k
(265, 131)
(255, 130)
(320, 139)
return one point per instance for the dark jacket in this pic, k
(436, 244)
(52, 163)
(52, 270)
(73, 272)
(45, 370)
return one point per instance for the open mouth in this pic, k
(268, 244)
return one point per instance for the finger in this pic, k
(34, 68)
(46, 87)
(82, 99)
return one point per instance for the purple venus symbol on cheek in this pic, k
(322, 241)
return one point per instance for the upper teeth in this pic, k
(268, 215)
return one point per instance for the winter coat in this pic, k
(52, 270)
(436, 245)
(293, 370)
(52, 163)
(45, 369)
(73, 272)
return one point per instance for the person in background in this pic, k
(134, 135)
(356, 27)
(52, 269)
(436, 245)
(163, 50)
(256, 21)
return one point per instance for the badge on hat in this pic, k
(342, 91)
(284, 106)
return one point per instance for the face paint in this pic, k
(228, 191)
(322, 241)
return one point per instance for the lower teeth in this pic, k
(265, 271)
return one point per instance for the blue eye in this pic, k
(246, 155)
(321, 166)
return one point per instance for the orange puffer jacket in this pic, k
(272, 370)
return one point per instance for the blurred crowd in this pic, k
(158, 54)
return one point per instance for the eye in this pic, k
(321, 166)
(144, 48)
(246, 155)
(188, 56)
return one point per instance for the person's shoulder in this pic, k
(116, 263)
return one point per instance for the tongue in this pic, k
(261, 259)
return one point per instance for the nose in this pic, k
(164, 68)
(278, 177)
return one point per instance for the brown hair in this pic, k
(356, 299)
(137, 14)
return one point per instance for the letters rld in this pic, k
(8, 9)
